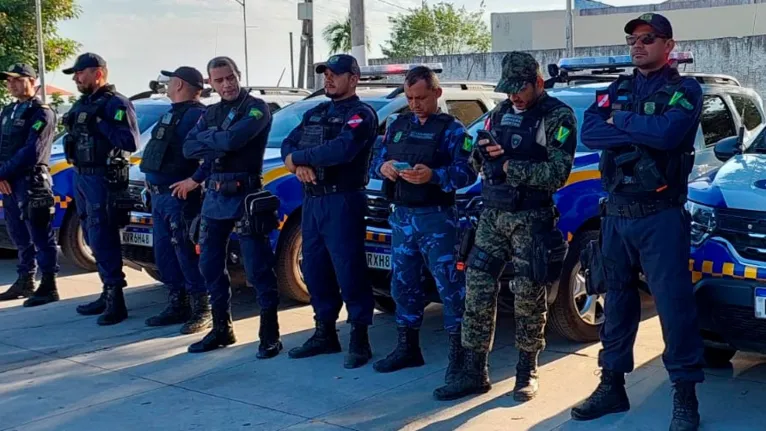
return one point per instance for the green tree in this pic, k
(440, 29)
(18, 34)
(337, 34)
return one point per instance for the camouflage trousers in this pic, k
(425, 237)
(508, 236)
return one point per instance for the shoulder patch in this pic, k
(255, 112)
(120, 114)
(562, 134)
(38, 125)
(679, 99)
(355, 121)
(467, 143)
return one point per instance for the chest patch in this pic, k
(649, 108)
(516, 141)
(511, 120)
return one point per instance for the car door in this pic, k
(717, 122)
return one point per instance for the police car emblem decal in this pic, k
(515, 141)
(355, 121)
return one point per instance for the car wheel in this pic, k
(289, 274)
(574, 314)
(718, 358)
(385, 304)
(73, 244)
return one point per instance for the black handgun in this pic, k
(466, 243)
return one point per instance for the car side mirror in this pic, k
(727, 148)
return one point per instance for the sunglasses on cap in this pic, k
(646, 39)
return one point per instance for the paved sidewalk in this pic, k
(61, 371)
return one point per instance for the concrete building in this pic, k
(599, 24)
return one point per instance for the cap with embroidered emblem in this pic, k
(659, 23)
(85, 61)
(339, 64)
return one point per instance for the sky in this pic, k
(138, 38)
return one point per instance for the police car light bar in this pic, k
(614, 61)
(396, 69)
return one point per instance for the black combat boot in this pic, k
(177, 311)
(46, 293)
(609, 397)
(456, 358)
(324, 340)
(23, 287)
(473, 378)
(96, 307)
(526, 376)
(201, 316)
(270, 345)
(686, 415)
(359, 350)
(406, 353)
(221, 335)
(116, 311)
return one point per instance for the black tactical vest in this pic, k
(418, 143)
(640, 171)
(324, 126)
(518, 132)
(15, 126)
(164, 152)
(247, 159)
(91, 148)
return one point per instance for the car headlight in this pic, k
(703, 222)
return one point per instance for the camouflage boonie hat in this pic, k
(518, 69)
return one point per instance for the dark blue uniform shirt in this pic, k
(37, 149)
(188, 121)
(661, 132)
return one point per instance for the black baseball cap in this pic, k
(85, 61)
(18, 70)
(659, 23)
(341, 63)
(188, 74)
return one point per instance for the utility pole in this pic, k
(358, 32)
(40, 50)
(244, 29)
(570, 30)
(306, 63)
(292, 63)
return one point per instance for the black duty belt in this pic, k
(94, 170)
(314, 190)
(249, 183)
(636, 209)
(159, 189)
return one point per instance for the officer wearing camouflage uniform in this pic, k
(27, 128)
(536, 134)
(424, 218)
(176, 199)
(645, 124)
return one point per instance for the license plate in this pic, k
(378, 260)
(760, 302)
(137, 238)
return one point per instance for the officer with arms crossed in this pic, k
(646, 123)
(232, 137)
(330, 152)
(102, 131)
(525, 155)
(423, 160)
(173, 182)
(26, 133)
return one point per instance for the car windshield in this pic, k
(288, 118)
(146, 113)
(578, 100)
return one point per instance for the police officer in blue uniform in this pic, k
(102, 131)
(26, 132)
(423, 161)
(645, 124)
(329, 152)
(232, 137)
(173, 183)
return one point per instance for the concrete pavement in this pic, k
(61, 371)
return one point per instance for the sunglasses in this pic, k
(646, 39)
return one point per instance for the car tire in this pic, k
(73, 245)
(718, 358)
(568, 315)
(385, 304)
(289, 275)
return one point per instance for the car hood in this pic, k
(739, 184)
